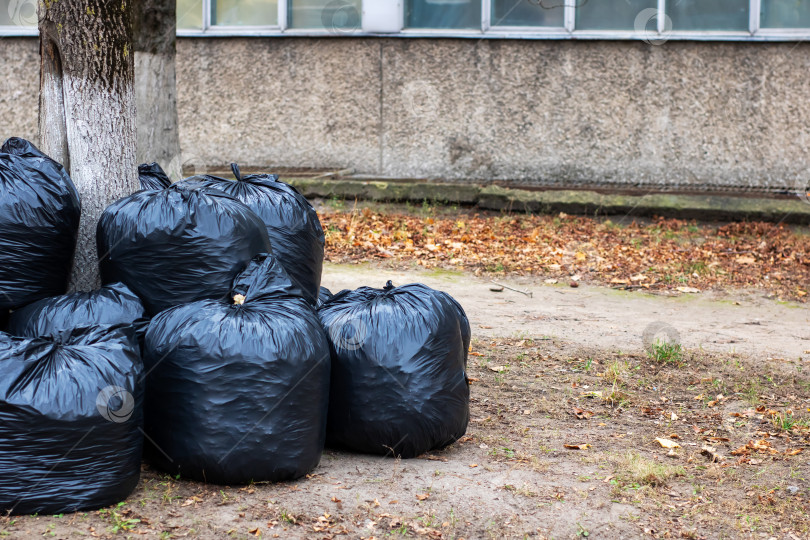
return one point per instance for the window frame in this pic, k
(489, 29)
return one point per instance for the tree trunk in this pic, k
(87, 109)
(155, 23)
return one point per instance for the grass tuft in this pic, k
(636, 469)
(666, 353)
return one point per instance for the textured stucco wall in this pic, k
(681, 114)
(19, 87)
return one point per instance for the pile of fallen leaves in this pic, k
(659, 254)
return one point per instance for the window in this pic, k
(244, 12)
(443, 14)
(654, 21)
(19, 13)
(189, 14)
(596, 15)
(338, 15)
(528, 13)
(708, 14)
(785, 14)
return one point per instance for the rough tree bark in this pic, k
(154, 23)
(87, 109)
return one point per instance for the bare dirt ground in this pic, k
(566, 407)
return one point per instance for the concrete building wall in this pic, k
(680, 115)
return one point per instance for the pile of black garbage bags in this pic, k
(211, 350)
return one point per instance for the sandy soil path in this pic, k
(737, 322)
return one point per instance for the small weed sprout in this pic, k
(666, 353)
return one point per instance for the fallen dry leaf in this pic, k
(423, 496)
(666, 443)
(687, 289)
(660, 255)
(711, 453)
(577, 446)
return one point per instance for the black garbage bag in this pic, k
(237, 392)
(112, 305)
(296, 236)
(324, 295)
(152, 176)
(177, 245)
(399, 357)
(70, 418)
(39, 224)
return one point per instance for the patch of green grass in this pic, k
(666, 353)
(791, 305)
(635, 469)
(402, 530)
(443, 273)
(118, 520)
(698, 267)
(615, 397)
(750, 391)
(616, 372)
(336, 203)
(287, 516)
(786, 421)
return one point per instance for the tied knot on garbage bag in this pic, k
(152, 176)
(296, 236)
(238, 395)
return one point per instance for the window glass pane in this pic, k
(18, 13)
(244, 12)
(189, 14)
(785, 14)
(527, 13)
(616, 15)
(708, 14)
(337, 15)
(443, 14)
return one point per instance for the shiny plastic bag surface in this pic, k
(295, 232)
(237, 390)
(399, 356)
(39, 224)
(112, 305)
(152, 176)
(177, 245)
(70, 418)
